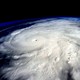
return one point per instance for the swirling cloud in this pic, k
(43, 51)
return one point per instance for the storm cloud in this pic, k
(44, 51)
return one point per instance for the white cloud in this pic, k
(43, 50)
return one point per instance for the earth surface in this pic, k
(41, 49)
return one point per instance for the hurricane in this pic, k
(49, 49)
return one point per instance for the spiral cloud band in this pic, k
(43, 51)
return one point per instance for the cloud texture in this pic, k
(43, 51)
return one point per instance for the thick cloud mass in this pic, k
(43, 51)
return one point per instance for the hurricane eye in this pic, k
(35, 40)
